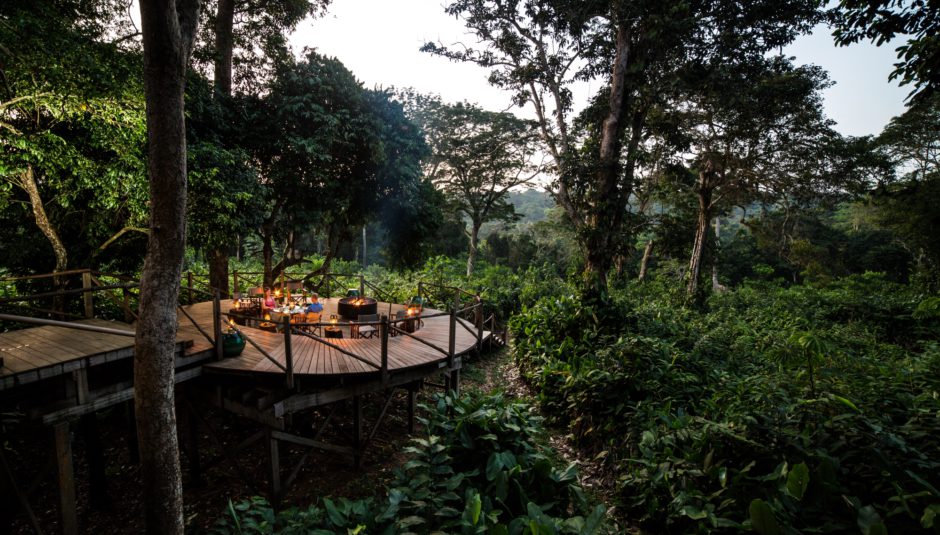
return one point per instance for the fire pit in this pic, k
(351, 307)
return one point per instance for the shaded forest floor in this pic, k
(31, 455)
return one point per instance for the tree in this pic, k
(169, 28)
(477, 157)
(880, 21)
(329, 153)
(71, 127)
(537, 49)
(737, 127)
(907, 202)
(259, 21)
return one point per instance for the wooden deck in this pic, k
(313, 358)
(38, 353)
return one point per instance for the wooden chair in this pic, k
(399, 316)
(312, 317)
(366, 331)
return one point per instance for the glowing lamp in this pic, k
(267, 317)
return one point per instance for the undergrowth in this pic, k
(778, 410)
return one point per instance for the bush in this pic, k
(781, 410)
(478, 469)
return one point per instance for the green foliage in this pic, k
(780, 410)
(478, 469)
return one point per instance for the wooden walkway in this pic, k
(313, 358)
(38, 353)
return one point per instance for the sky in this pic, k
(379, 41)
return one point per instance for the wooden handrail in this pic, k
(200, 329)
(46, 275)
(43, 295)
(67, 325)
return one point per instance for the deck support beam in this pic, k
(357, 430)
(274, 457)
(63, 451)
(94, 452)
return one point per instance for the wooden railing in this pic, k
(118, 290)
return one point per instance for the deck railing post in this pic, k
(235, 281)
(189, 285)
(478, 320)
(217, 324)
(87, 295)
(383, 332)
(421, 291)
(452, 339)
(282, 281)
(362, 285)
(288, 353)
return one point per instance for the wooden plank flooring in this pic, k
(37, 353)
(312, 357)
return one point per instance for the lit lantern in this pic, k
(236, 304)
(267, 317)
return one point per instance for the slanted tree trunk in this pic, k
(701, 234)
(644, 263)
(168, 28)
(29, 185)
(474, 245)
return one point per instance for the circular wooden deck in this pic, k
(314, 358)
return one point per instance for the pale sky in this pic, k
(379, 41)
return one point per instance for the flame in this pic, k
(411, 312)
(333, 321)
(231, 323)
(277, 293)
(237, 304)
(267, 317)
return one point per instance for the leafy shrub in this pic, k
(781, 410)
(477, 470)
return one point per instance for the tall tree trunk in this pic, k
(605, 220)
(168, 27)
(267, 254)
(644, 263)
(28, 183)
(224, 45)
(701, 234)
(716, 285)
(474, 245)
(218, 270)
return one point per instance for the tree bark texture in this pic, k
(31, 187)
(474, 246)
(701, 234)
(224, 46)
(218, 270)
(645, 262)
(606, 217)
(168, 28)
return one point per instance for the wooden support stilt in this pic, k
(455, 381)
(94, 453)
(133, 451)
(275, 465)
(357, 430)
(192, 448)
(63, 450)
(412, 401)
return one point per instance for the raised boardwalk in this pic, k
(313, 358)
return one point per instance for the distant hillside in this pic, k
(533, 204)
